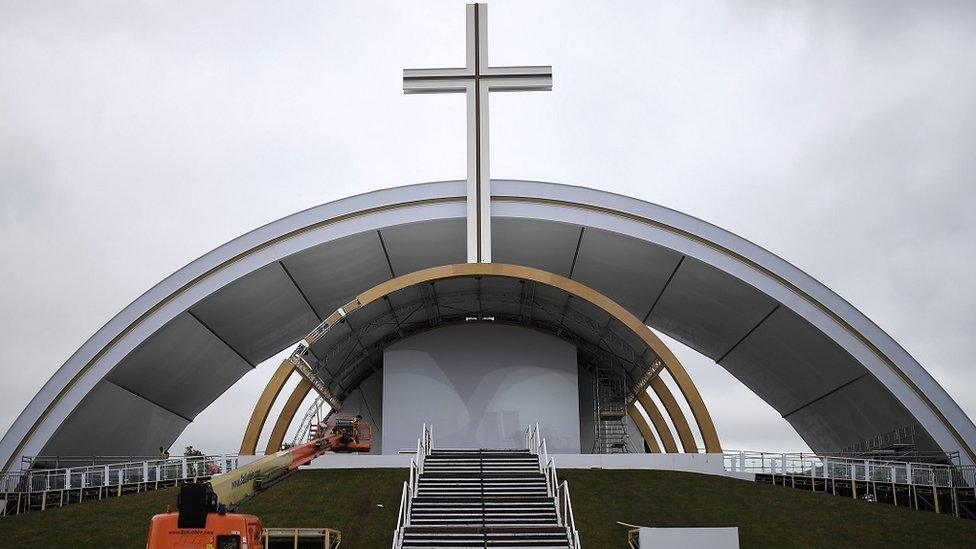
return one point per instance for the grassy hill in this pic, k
(363, 504)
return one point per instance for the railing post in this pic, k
(908, 473)
(183, 465)
(223, 463)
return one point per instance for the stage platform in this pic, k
(709, 464)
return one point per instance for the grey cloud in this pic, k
(135, 137)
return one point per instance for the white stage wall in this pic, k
(480, 385)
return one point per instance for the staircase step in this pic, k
(490, 536)
(483, 498)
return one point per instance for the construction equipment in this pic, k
(202, 520)
(202, 523)
(340, 434)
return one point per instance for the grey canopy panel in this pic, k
(862, 406)
(835, 376)
(789, 364)
(547, 246)
(183, 354)
(421, 245)
(708, 310)
(626, 270)
(258, 314)
(331, 274)
(110, 414)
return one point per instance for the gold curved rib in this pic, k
(677, 416)
(661, 426)
(263, 406)
(645, 429)
(287, 415)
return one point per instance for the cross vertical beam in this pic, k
(476, 80)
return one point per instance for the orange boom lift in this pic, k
(202, 520)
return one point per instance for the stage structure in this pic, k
(415, 278)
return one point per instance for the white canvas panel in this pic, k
(480, 385)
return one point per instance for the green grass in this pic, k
(114, 522)
(346, 499)
(767, 516)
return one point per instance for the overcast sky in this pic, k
(134, 137)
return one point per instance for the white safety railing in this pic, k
(424, 445)
(117, 474)
(402, 517)
(547, 466)
(848, 468)
(564, 512)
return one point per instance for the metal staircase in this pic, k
(485, 498)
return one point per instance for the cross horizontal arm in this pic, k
(436, 80)
(518, 83)
(411, 74)
(437, 85)
(532, 70)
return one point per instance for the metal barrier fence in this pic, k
(847, 468)
(114, 474)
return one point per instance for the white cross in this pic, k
(476, 79)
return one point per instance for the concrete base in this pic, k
(682, 538)
(360, 461)
(707, 464)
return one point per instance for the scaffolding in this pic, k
(897, 445)
(610, 390)
(308, 429)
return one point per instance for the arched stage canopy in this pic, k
(831, 372)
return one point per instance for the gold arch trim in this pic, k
(670, 403)
(645, 429)
(661, 426)
(462, 270)
(287, 414)
(263, 407)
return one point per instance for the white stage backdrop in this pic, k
(480, 385)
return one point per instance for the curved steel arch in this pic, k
(63, 413)
(475, 270)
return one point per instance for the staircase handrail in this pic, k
(552, 482)
(424, 444)
(566, 517)
(401, 519)
(414, 480)
(411, 485)
(533, 438)
(537, 446)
